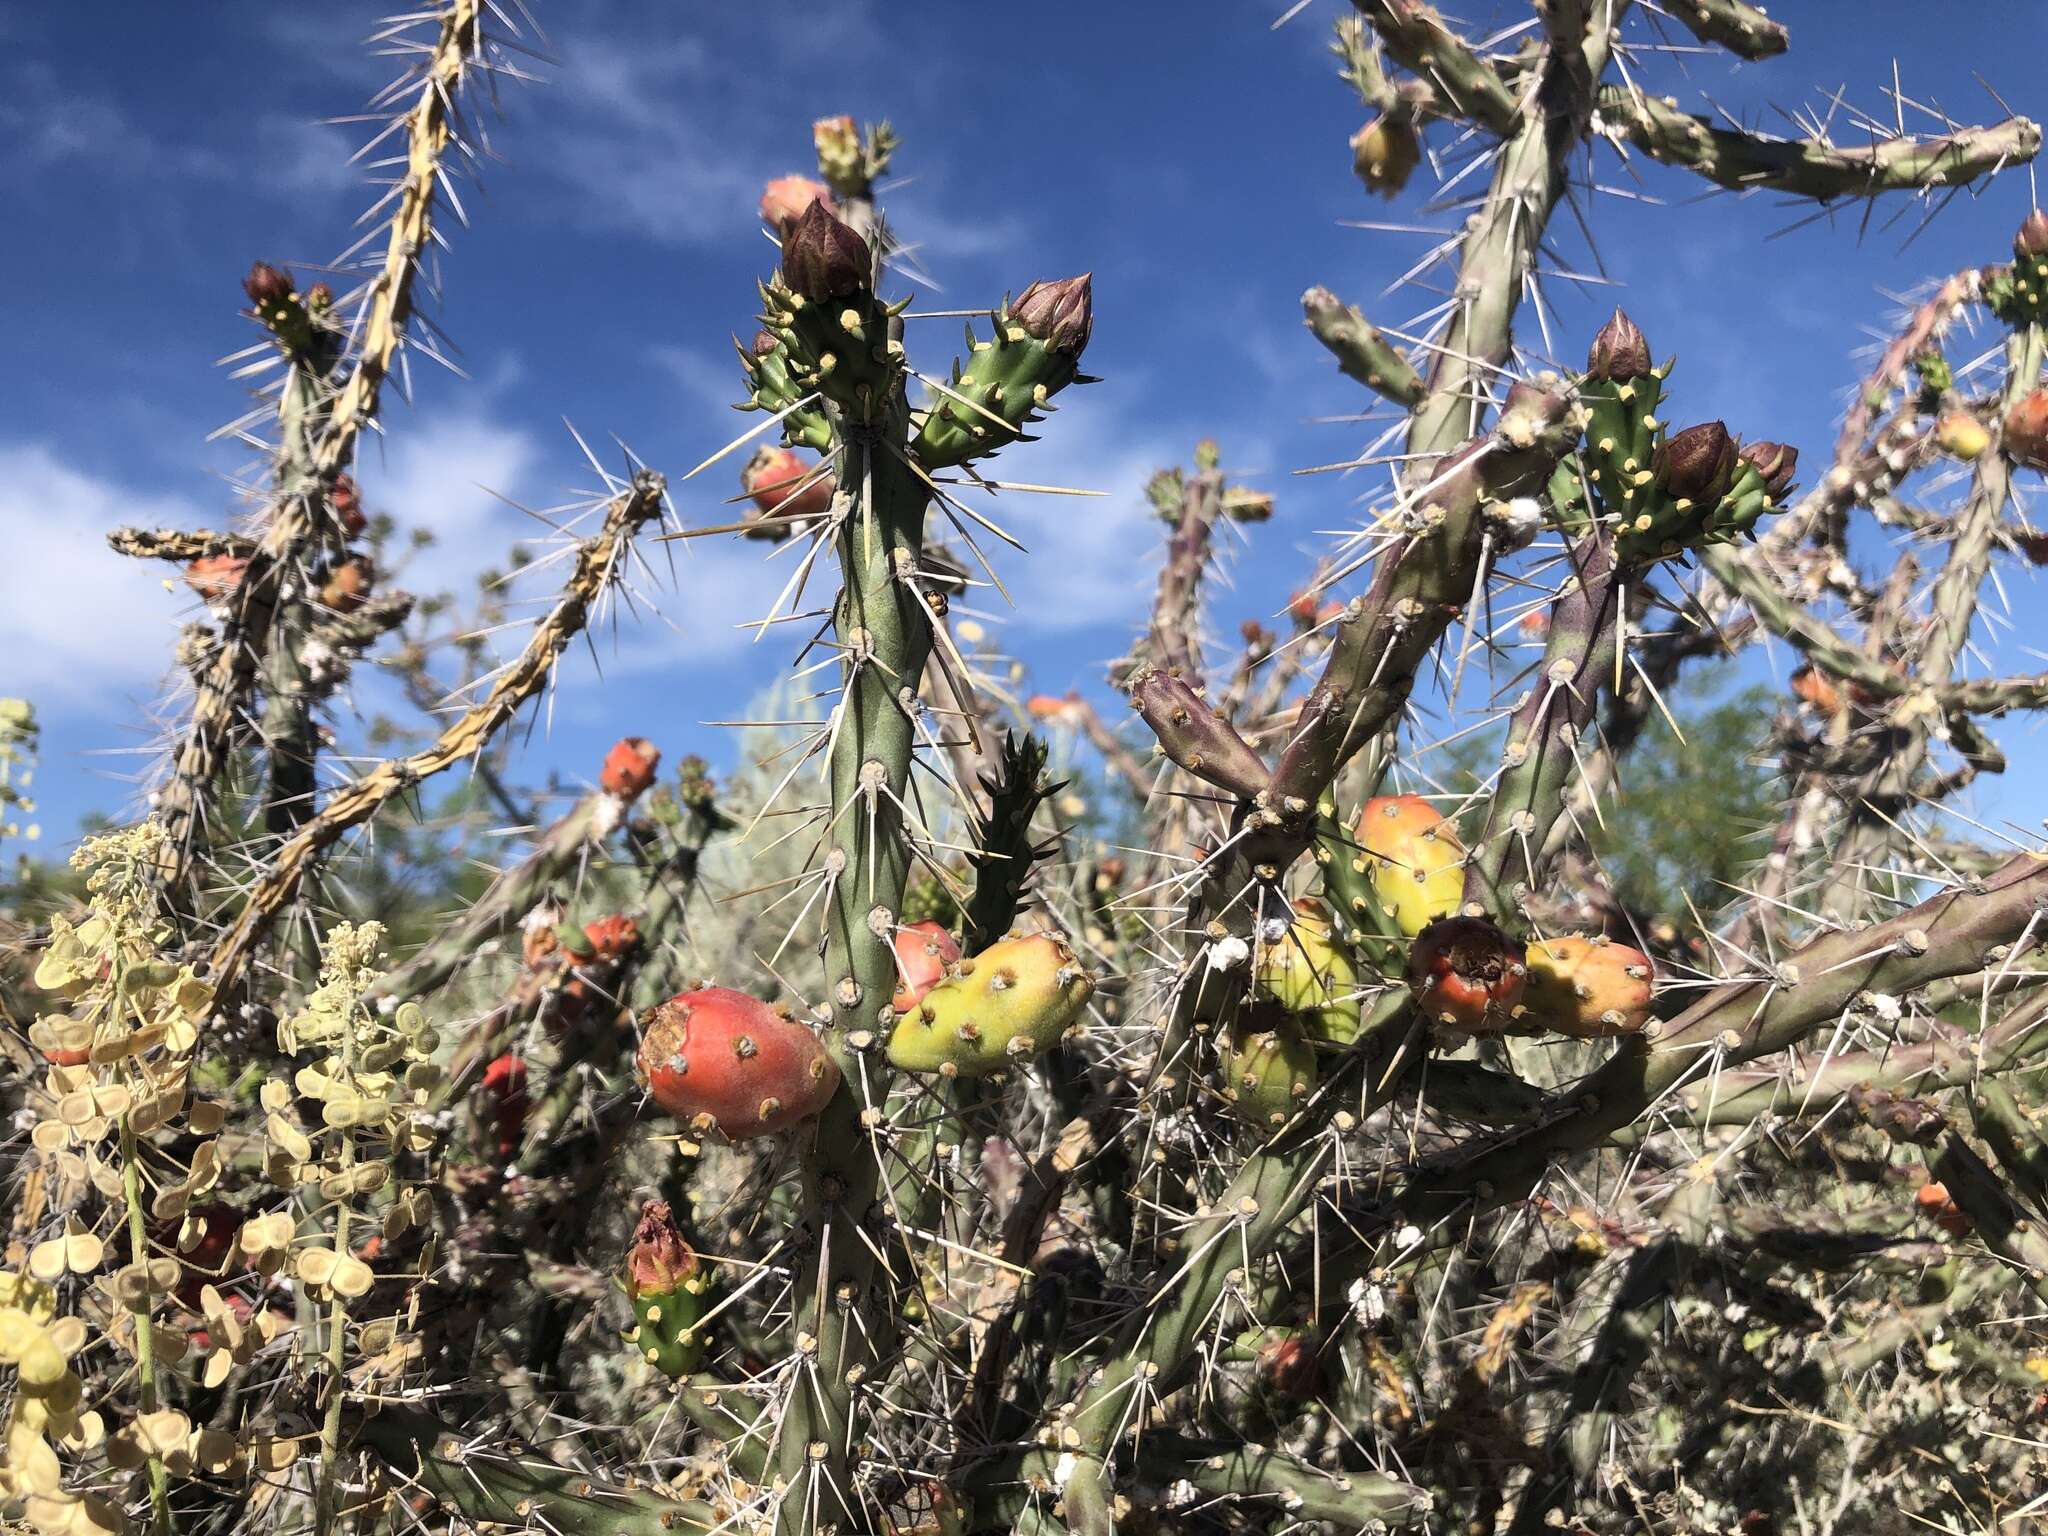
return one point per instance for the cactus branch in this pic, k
(1742, 29)
(1742, 161)
(599, 560)
(1361, 351)
(1465, 84)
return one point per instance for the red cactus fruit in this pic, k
(722, 1061)
(1468, 975)
(923, 951)
(1288, 1366)
(1302, 608)
(784, 200)
(1535, 623)
(505, 1101)
(2026, 431)
(216, 578)
(629, 767)
(612, 938)
(775, 478)
(348, 584)
(1052, 707)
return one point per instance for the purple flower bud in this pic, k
(764, 343)
(823, 258)
(267, 285)
(1775, 463)
(1619, 352)
(1696, 464)
(1060, 314)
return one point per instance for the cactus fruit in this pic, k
(629, 768)
(783, 485)
(1311, 977)
(667, 1284)
(505, 1102)
(719, 1060)
(1961, 436)
(1385, 153)
(345, 501)
(1812, 686)
(1935, 1204)
(1268, 1067)
(1414, 858)
(216, 578)
(1468, 975)
(1289, 1367)
(2026, 431)
(1034, 354)
(784, 200)
(1014, 999)
(923, 953)
(1588, 987)
(348, 585)
(612, 938)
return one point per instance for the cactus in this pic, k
(666, 1285)
(1414, 860)
(1468, 976)
(925, 953)
(1267, 1065)
(1311, 977)
(1009, 1002)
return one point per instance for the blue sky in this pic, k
(1193, 158)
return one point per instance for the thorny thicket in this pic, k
(866, 1146)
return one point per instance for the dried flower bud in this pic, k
(660, 1260)
(823, 258)
(765, 342)
(1775, 462)
(784, 200)
(1060, 314)
(319, 298)
(2026, 431)
(1696, 464)
(1385, 153)
(267, 285)
(2032, 240)
(1619, 352)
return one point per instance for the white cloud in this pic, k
(81, 625)
(452, 475)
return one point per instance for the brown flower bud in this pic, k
(1696, 464)
(823, 258)
(1060, 314)
(1775, 462)
(2032, 240)
(660, 1259)
(1619, 352)
(267, 285)
(765, 342)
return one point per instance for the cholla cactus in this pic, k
(863, 1142)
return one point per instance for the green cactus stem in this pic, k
(1008, 379)
(1742, 29)
(1466, 85)
(1361, 351)
(1813, 168)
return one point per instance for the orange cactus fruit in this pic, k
(784, 484)
(348, 586)
(1468, 975)
(1812, 686)
(612, 938)
(216, 578)
(1288, 1366)
(1588, 988)
(1935, 1204)
(2026, 431)
(923, 952)
(1414, 858)
(722, 1061)
(784, 200)
(629, 767)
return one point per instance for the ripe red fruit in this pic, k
(348, 585)
(784, 200)
(612, 938)
(1935, 1204)
(923, 951)
(721, 1060)
(775, 478)
(347, 504)
(1468, 975)
(1812, 686)
(505, 1101)
(2026, 431)
(216, 577)
(629, 767)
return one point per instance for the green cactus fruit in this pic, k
(1014, 999)
(1007, 380)
(1588, 988)
(1269, 1067)
(667, 1287)
(1311, 977)
(2019, 294)
(1414, 858)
